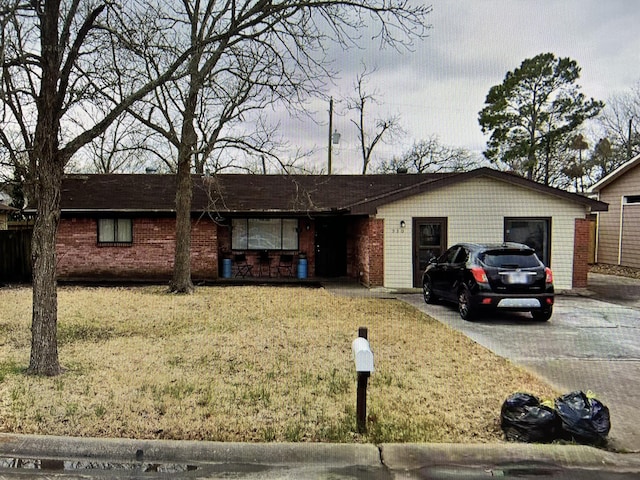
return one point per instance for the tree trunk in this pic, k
(44, 323)
(181, 282)
(46, 170)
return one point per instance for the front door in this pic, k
(429, 241)
(331, 247)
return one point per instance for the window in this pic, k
(632, 199)
(115, 230)
(534, 232)
(264, 234)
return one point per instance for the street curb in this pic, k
(184, 451)
(393, 456)
(414, 456)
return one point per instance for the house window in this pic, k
(632, 199)
(264, 234)
(115, 230)
(534, 232)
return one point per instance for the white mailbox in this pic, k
(362, 355)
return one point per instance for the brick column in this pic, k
(580, 253)
(376, 252)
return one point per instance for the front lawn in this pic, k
(249, 364)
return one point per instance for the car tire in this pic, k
(542, 315)
(427, 291)
(465, 309)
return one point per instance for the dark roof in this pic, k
(241, 193)
(7, 208)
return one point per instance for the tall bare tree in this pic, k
(620, 121)
(383, 129)
(52, 76)
(257, 54)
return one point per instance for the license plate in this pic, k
(517, 278)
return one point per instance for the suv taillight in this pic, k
(479, 275)
(548, 275)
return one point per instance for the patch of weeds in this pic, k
(268, 434)
(178, 390)
(82, 332)
(175, 361)
(338, 383)
(383, 378)
(293, 432)
(17, 393)
(71, 409)
(398, 431)
(206, 398)
(58, 384)
(338, 431)
(100, 410)
(306, 379)
(258, 395)
(9, 367)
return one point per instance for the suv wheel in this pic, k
(467, 312)
(542, 315)
(427, 291)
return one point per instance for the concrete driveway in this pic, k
(592, 342)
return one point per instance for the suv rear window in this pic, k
(510, 259)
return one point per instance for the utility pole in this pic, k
(629, 144)
(330, 130)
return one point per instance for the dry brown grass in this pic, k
(249, 364)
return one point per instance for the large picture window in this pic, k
(264, 234)
(115, 230)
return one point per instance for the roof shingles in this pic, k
(241, 193)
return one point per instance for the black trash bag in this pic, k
(583, 419)
(525, 419)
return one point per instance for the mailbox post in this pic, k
(363, 357)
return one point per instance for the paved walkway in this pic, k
(591, 343)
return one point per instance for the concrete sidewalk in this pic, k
(190, 459)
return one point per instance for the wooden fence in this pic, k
(15, 256)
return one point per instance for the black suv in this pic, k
(480, 277)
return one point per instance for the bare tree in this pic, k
(52, 76)
(431, 156)
(257, 54)
(620, 121)
(383, 129)
(122, 148)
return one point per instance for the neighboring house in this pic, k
(378, 229)
(5, 210)
(618, 229)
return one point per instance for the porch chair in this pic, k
(285, 266)
(243, 269)
(264, 262)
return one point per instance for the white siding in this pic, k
(476, 210)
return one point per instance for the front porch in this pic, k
(313, 248)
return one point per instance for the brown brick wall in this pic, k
(581, 253)
(367, 254)
(149, 257)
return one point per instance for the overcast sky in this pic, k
(440, 87)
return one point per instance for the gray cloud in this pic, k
(441, 86)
